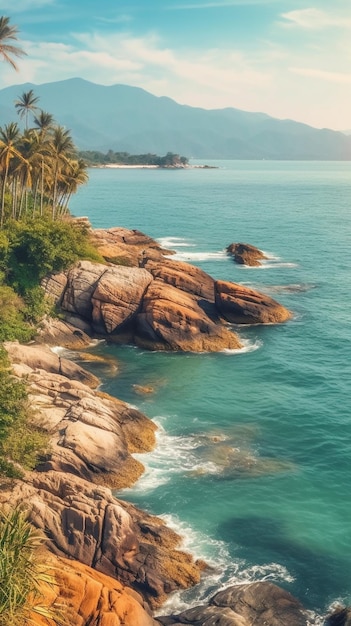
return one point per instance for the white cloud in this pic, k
(314, 19)
(274, 78)
(331, 77)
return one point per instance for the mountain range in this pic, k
(125, 118)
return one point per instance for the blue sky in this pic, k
(288, 58)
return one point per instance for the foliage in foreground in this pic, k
(31, 249)
(28, 251)
(23, 572)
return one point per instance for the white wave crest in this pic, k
(219, 255)
(174, 242)
(223, 571)
(248, 346)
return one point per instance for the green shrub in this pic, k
(21, 443)
(13, 325)
(38, 247)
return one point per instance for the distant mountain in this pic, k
(123, 118)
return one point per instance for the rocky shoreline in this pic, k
(113, 563)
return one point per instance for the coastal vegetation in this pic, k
(23, 571)
(96, 158)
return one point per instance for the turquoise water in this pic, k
(254, 447)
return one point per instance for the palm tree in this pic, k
(61, 149)
(9, 137)
(44, 124)
(8, 50)
(73, 174)
(25, 104)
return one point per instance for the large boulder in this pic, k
(85, 597)
(81, 284)
(174, 320)
(42, 359)
(85, 522)
(54, 286)
(121, 245)
(241, 305)
(186, 277)
(246, 254)
(92, 435)
(56, 332)
(117, 297)
(245, 605)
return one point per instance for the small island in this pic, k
(171, 160)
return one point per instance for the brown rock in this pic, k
(81, 284)
(54, 286)
(240, 305)
(341, 616)
(174, 320)
(120, 245)
(263, 602)
(246, 254)
(186, 277)
(117, 296)
(44, 359)
(87, 523)
(92, 435)
(86, 597)
(55, 332)
(245, 605)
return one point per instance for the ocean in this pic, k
(253, 461)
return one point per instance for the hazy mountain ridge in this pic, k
(124, 118)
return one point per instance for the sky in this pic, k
(290, 59)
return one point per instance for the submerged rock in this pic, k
(246, 254)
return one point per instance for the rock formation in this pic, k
(124, 246)
(86, 523)
(241, 305)
(245, 605)
(172, 319)
(157, 302)
(341, 616)
(246, 254)
(85, 597)
(92, 435)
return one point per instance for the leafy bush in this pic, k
(20, 442)
(13, 324)
(37, 247)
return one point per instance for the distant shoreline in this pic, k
(121, 166)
